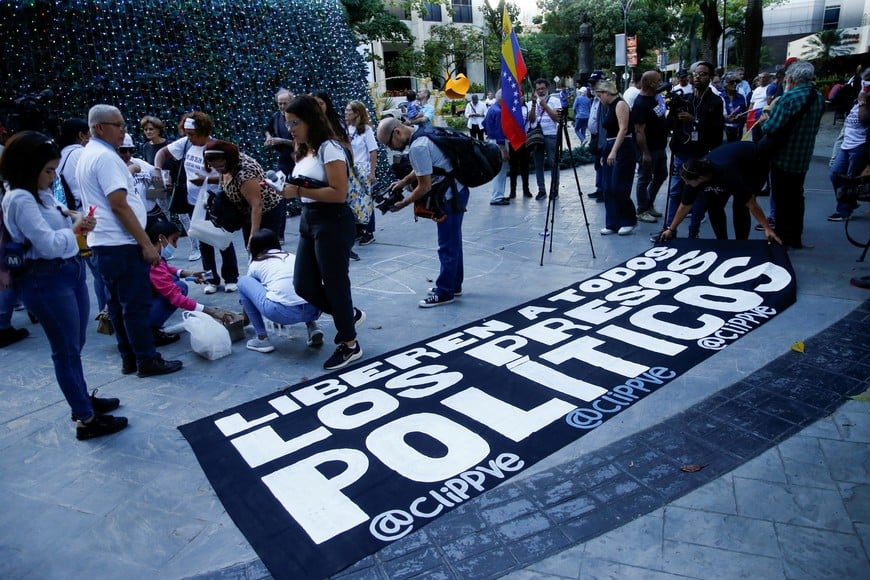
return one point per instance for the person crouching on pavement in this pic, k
(169, 290)
(734, 169)
(267, 292)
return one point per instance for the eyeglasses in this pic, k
(390, 140)
(121, 126)
(701, 73)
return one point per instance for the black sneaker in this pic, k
(343, 355)
(354, 256)
(527, 193)
(100, 425)
(838, 217)
(101, 405)
(541, 195)
(359, 317)
(770, 222)
(12, 335)
(366, 239)
(433, 300)
(434, 290)
(128, 365)
(158, 366)
(162, 339)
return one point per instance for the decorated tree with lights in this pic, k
(165, 57)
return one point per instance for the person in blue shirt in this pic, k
(493, 130)
(582, 104)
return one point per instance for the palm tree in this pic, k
(825, 46)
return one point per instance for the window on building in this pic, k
(399, 12)
(433, 12)
(462, 11)
(832, 18)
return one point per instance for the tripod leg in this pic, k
(563, 130)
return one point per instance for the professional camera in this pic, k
(385, 197)
(676, 99)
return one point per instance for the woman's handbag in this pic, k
(224, 213)
(104, 323)
(535, 137)
(208, 337)
(203, 229)
(359, 196)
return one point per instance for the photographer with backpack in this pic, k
(431, 176)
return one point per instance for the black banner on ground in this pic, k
(332, 470)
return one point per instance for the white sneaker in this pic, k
(264, 345)
(194, 256)
(231, 287)
(654, 212)
(625, 230)
(647, 217)
(606, 231)
(209, 289)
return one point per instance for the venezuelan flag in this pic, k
(513, 71)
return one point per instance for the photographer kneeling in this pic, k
(734, 169)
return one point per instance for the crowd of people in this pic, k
(90, 203)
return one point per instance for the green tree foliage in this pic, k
(824, 47)
(654, 22)
(446, 51)
(370, 21)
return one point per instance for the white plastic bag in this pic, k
(203, 229)
(208, 337)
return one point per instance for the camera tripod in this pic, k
(562, 138)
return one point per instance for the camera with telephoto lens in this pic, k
(676, 99)
(385, 198)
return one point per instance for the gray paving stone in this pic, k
(523, 526)
(507, 511)
(805, 464)
(700, 561)
(848, 461)
(735, 533)
(538, 545)
(470, 545)
(638, 543)
(414, 563)
(716, 496)
(486, 565)
(812, 553)
(599, 569)
(791, 504)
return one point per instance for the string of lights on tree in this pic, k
(166, 57)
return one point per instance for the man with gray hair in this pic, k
(793, 123)
(123, 252)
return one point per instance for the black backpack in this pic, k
(474, 162)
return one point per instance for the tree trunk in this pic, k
(711, 30)
(752, 38)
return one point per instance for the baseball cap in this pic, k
(128, 142)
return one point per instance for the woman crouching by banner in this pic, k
(52, 282)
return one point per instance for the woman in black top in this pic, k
(620, 157)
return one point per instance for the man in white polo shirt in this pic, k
(122, 249)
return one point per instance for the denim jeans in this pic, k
(677, 185)
(326, 235)
(128, 281)
(99, 285)
(619, 210)
(848, 162)
(650, 179)
(162, 309)
(498, 183)
(550, 148)
(452, 272)
(258, 306)
(56, 292)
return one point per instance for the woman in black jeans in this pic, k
(327, 229)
